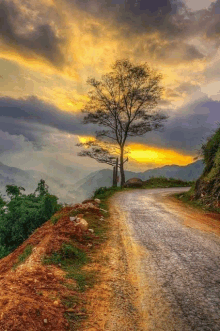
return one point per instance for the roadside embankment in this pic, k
(43, 283)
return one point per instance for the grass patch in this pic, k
(104, 193)
(163, 182)
(55, 218)
(23, 257)
(68, 256)
(84, 279)
(71, 259)
(74, 316)
(187, 198)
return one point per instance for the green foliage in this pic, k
(14, 191)
(105, 192)
(210, 149)
(2, 202)
(158, 182)
(163, 182)
(55, 218)
(24, 214)
(42, 188)
(71, 259)
(205, 193)
(3, 251)
(84, 279)
(67, 255)
(23, 257)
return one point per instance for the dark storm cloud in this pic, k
(189, 128)
(171, 18)
(20, 116)
(211, 19)
(41, 41)
(140, 15)
(33, 118)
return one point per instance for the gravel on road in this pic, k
(175, 268)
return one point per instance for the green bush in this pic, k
(209, 151)
(100, 190)
(105, 192)
(24, 214)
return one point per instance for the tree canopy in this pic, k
(124, 104)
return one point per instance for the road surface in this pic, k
(173, 257)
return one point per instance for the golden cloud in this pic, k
(157, 156)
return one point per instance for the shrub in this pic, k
(24, 214)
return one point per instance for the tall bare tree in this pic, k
(124, 103)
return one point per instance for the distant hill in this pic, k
(187, 173)
(29, 179)
(67, 182)
(89, 184)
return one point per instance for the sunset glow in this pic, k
(157, 156)
(49, 49)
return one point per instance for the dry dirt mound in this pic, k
(31, 294)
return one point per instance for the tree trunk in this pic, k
(116, 172)
(114, 177)
(122, 166)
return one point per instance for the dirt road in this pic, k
(169, 264)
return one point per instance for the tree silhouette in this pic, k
(124, 103)
(101, 154)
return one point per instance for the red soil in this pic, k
(32, 294)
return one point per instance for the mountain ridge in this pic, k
(76, 190)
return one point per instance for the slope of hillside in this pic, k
(12, 176)
(207, 188)
(187, 173)
(41, 282)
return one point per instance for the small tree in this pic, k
(101, 154)
(124, 102)
(14, 191)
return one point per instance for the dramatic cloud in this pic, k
(49, 48)
(189, 128)
(34, 120)
(23, 33)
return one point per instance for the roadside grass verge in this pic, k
(23, 257)
(71, 259)
(163, 182)
(76, 258)
(188, 199)
(103, 193)
(55, 218)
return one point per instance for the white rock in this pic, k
(82, 224)
(45, 320)
(91, 230)
(97, 200)
(73, 219)
(103, 210)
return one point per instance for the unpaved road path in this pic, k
(171, 259)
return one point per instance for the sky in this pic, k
(48, 49)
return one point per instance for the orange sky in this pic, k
(50, 48)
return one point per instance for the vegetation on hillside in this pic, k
(206, 191)
(22, 214)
